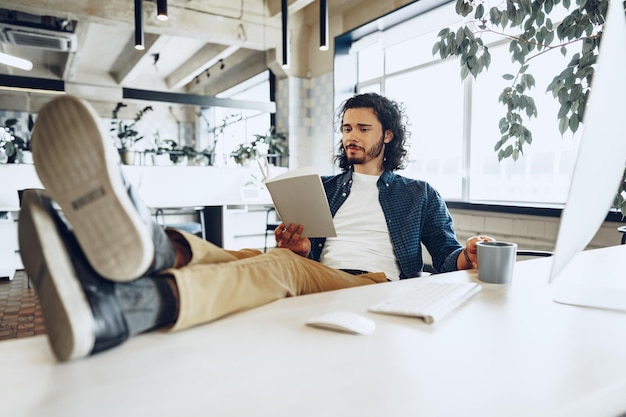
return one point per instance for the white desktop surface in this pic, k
(509, 351)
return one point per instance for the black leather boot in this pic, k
(81, 312)
(79, 166)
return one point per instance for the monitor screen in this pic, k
(602, 153)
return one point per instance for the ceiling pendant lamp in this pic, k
(285, 29)
(323, 25)
(162, 10)
(139, 44)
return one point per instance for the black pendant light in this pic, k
(139, 44)
(285, 28)
(162, 10)
(323, 25)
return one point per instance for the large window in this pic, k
(435, 108)
(230, 127)
(454, 124)
(543, 174)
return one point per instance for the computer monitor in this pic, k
(599, 167)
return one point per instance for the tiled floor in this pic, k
(20, 314)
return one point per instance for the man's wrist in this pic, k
(467, 258)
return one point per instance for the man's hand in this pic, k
(289, 238)
(468, 258)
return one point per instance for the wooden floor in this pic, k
(20, 313)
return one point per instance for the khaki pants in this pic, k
(217, 282)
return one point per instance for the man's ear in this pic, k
(388, 136)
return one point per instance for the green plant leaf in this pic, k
(574, 123)
(503, 125)
(494, 15)
(563, 124)
(464, 72)
(437, 48)
(463, 8)
(480, 11)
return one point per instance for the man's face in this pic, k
(363, 137)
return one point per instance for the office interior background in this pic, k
(218, 73)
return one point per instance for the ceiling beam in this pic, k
(274, 7)
(128, 66)
(240, 66)
(208, 56)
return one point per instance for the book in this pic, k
(299, 198)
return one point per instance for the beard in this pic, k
(371, 153)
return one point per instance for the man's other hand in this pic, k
(289, 237)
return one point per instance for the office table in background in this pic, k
(509, 351)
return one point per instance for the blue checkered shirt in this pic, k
(415, 213)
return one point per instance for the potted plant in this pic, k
(163, 149)
(277, 147)
(198, 158)
(126, 134)
(207, 155)
(273, 145)
(245, 153)
(12, 147)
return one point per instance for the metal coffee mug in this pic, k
(496, 261)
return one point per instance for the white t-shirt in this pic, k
(363, 241)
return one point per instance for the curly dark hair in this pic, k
(392, 117)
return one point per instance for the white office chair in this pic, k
(622, 230)
(524, 254)
(270, 225)
(195, 228)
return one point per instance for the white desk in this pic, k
(507, 352)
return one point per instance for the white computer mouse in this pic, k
(344, 321)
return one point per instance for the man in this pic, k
(380, 213)
(104, 271)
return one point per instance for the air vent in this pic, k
(38, 38)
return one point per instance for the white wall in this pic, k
(305, 110)
(529, 232)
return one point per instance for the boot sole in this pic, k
(69, 322)
(80, 171)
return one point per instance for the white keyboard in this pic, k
(428, 300)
